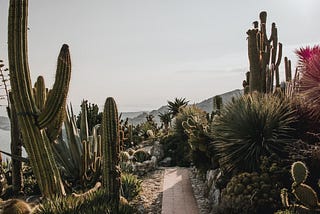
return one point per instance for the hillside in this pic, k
(206, 105)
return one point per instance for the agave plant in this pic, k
(309, 78)
(78, 154)
(253, 126)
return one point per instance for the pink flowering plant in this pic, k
(309, 78)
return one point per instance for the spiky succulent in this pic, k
(130, 186)
(253, 126)
(309, 78)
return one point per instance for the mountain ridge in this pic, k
(140, 116)
(206, 105)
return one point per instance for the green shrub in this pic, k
(131, 186)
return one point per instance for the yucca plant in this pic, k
(253, 126)
(308, 86)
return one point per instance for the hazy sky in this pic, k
(145, 52)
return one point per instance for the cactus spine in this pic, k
(111, 176)
(32, 121)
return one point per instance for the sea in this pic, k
(5, 142)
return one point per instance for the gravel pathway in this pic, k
(150, 199)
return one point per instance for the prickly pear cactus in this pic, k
(299, 172)
(306, 196)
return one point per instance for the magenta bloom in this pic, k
(309, 78)
(308, 52)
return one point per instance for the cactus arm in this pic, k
(58, 95)
(40, 93)
(84, 129)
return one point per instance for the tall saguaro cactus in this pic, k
(264, 57)
(33, 121)
(111, 150)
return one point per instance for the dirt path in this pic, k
(178, 197)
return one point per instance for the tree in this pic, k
(175, 106)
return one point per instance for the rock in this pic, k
(166, 162)
(157, 150)
(213, 192)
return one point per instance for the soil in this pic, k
(149, 201)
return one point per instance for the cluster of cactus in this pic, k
(307, 198)
(126, 134)
(251, 192)
(264, 57)
(196, 127)
(32, 121)
(255, 192)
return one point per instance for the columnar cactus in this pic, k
(264, 57)
(33, 121)
(111, 176)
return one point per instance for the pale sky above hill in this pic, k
(145, 52)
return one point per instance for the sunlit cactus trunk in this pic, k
(34, 122)
(264, 57)
(111, 152)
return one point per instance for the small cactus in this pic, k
(299, 172)
(303, 192)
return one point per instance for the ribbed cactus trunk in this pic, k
(264, 57)
(32, 121)
(111, 148)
